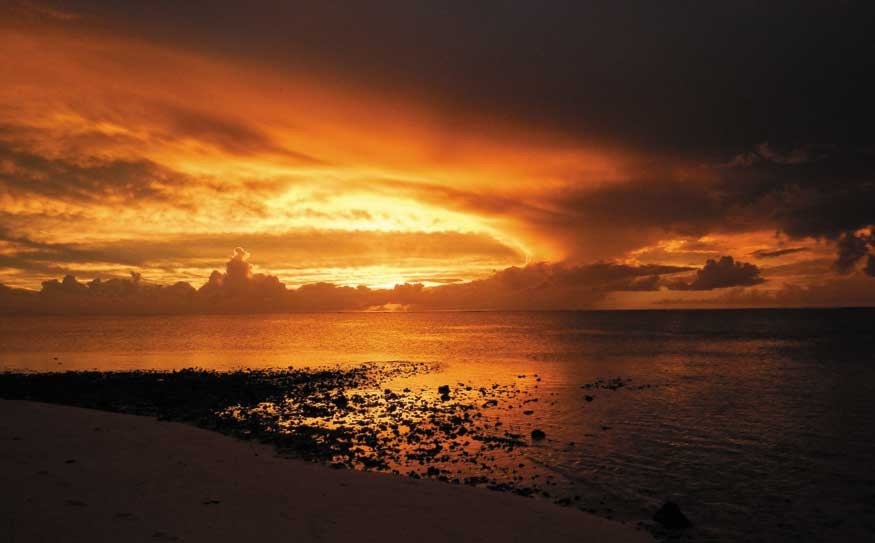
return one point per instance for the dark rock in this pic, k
(444, 391)
(588, 398)
(670, 516)
(538, 434)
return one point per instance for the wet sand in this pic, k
(72, 474)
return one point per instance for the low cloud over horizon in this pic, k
(539, 286)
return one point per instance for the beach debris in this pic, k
(670, 516)
(538, 435)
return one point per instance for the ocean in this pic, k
(758, 423)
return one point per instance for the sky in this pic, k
(398, 155)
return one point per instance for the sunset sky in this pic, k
(479, 155)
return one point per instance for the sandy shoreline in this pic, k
(75, 474)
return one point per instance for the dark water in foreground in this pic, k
(759, 423)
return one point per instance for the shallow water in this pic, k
(758, 423)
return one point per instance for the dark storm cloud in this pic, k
(34, 255)
(680, 75)
(851, 249)
(812, 267)
(778, 252)
(853, 291)
(824, 198)
(16, 262)
(223, 132)
(544, 276)
(95, 181)
(723, 273)
(819, 191)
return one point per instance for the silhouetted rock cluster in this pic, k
(670, 516)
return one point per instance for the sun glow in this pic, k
(236, 152)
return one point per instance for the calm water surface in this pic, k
(759, 423)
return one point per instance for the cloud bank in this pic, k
(239, 289)
(539, 286)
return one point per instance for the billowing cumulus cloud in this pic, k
(112, 296)
(722, 273)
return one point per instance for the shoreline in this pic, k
(85, 475)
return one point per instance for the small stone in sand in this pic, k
(538, 434)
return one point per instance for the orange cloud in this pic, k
(120, 153)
